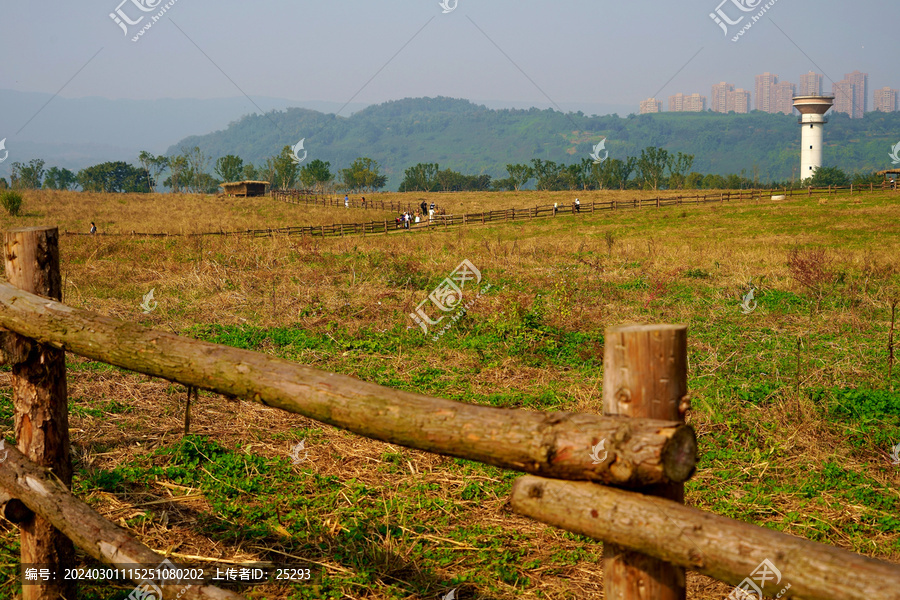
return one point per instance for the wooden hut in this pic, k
(245, 188)
(891, 174)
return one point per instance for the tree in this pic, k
(249, 173)
(421, 177)
(60, 179)
(694, 181)
(178, 175)
(197, 163)
(624, 169)
(154, 165)
(287, 170)
(652, 165)
(114, 177)
(548, 174)
(266, 171)
(519, 175)
(825, 176)
(229, 167)
(316, 174)
(679, 165)
(363, 174)
(27, 176)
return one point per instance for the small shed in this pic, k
(245, 188)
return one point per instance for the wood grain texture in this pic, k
(644, 376)
(643, 451)
(717, 546)
(41, 402)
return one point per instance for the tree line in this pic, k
(654, 169)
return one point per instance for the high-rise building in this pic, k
(844, 97)
(720, 97)
(784, 97)
(651, 105)
(695, 103)
(886, 100)
(738, 101)
(765, 92)
(810, 84)
(682, 103)
(860, 83)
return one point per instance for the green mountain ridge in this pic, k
(473, 139)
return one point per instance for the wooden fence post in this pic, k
(645, 375)
(40, 399)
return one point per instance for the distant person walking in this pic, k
(555, 207)
(346, 202)
(424, 207)
(577, 205)
(364, 201)
(93, 228)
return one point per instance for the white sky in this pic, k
(579, 52)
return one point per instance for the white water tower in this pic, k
(812, 120)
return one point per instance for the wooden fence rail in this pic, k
(552, 444)
(645, 377)
(717, 546)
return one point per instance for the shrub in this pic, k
(12, 202)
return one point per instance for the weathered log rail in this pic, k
(650, 540)
(557, 445)
(497, 216)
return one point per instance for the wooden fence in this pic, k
(495, 216)
(311, 197)
(650, 537)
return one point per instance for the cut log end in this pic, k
(679, 455)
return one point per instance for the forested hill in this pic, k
(473, 139)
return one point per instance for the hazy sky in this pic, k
(576, 52)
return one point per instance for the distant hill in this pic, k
(79, 132)
(474, 139)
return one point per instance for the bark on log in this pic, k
(645, 375)
(41, 402)
(644, 451)
(717, 546)
(40, 491)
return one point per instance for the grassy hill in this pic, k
(473, 139)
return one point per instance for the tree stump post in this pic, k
(645, 375)
(41, 411)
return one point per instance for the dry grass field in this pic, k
(798, 441)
